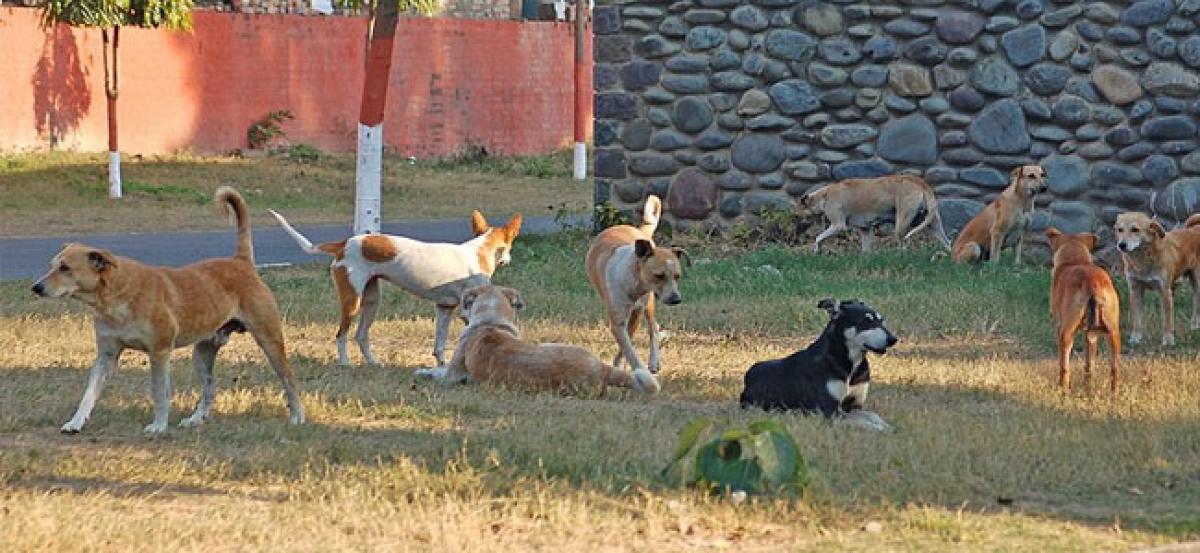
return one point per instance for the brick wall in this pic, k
(504, 84)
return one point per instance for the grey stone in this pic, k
(1081, 62)
(713, 162)
(1000, 128)
(865, 30)
(848, 114)
(1101, 13)
(962, 156)
(657, 95)
(926, 51)
(857, 12)
(955, 213)
(610, 163)
(604, 76)
(723, 102)
(758, 152)
(991, 6)
(692, 194)
(925, 14)
(899, 104)
(714, 139)
(837, 98)
(870, 76)
(1064, 44)
(1160, 43)
(775, 71)
(704, 17)
(1180, 26)
(659, 116)
(782, 19)
(612, 49)
(1189, 51)
(730, 121)
(691, 114)
(1089, 30)
(1135, 57)
(1106, 54)
(1071, 216)
(1145, 13)
(1048, 79)
(1179, 199)
(1024, 46)
(640, 74)
(1191, 163)
(887, 12)
(673, 27)
(1171, 79)
(946, 77)
(655, 46)
(636, 135)
(910, 80)
(790, 45)
(862, 169)
(794, 97)
(906, 28)
(724, 59)
(845, 136)
(685, 84)
(1107, 174)
(825, 75)
(1141, 109)
(880, 49)
(816, 120)
(1095, 150)
(1160, 170)
(1171, 127)
(1121, 136)
(985, 177)
(636, 26)
(1189, 8)
(797, 151)
(1131, 152)
(910, 139)
(962, 56)
(1001, 23)
(731, 81)
(731, 205)
(1040, 150)
(754, 102)
(605, 132)
(1088, 133)
(1030, 9)
(649, 165)
(688, 63)
(1050, 133)
(1177, 147)
(1066, 176)
(1107, 115)
(934, 105)
(1124, 36)
(770, 122)
(803, 170)
(749, 18)
(1117, 84)
(951, 190)
(953, 120)
(606, 20)
(839, 51)
(1071, 111)
(1061, 17)
(959, 27)
(616, 105)
(704, 38)
(940, 174)
(643, 11)
(758, 202)
(878, 115)
(965, 98)
(993, 75)
(773, 181)
(1167, 104)
(822, 19)
(954, 138)
(734, 180)
(630, 191)
(1083, 88)
(867, 98)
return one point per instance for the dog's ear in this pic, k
(682, 254)
(830, 305)
(643, 248)
(513, 227)
(101, 260)
(479, 225)
(514, 298)
(1089, 239)
(468, 298)
(1053, 233)
(1016, 172)
(1157, 229)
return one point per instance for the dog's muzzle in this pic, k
(891, 341)
(1125, 247)
(673, 299)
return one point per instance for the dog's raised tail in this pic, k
(1193, 221)
(233, 201)
(651, 213)
(331, 248)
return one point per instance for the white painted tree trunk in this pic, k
(580, 161)
(114, 175)
(367, 179)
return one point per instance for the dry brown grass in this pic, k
(987, 454)
(48, 194)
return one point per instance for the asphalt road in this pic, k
(27, 258)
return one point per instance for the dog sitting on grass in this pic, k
(831, 375)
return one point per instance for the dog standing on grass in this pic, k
(628, 271)
(863, 203)
(1002, 220)
(1082, 297)
(159, 309)
(433, 271)
(491, 350)
(1155, 258)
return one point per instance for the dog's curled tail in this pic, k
(1193, 221)
(651, 213)
(331, 248)
(233, 201)
(640, 380)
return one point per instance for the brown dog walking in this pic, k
(1082, 297)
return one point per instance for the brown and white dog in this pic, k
(628, 271)
(491, 350)
(1002, 220)
(1082, 297)
(159, 309)
(1155, 258)
(863, 203)
(437, 272)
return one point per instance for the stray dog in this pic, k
(831, 375)
(1155, 258)
(1002, 220)
(1082, 297)
(863, 203)
(436, 272)
(159, 309)
(628, 271)
(490, 349)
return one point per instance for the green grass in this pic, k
(987, 453)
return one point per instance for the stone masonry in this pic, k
(726, 106)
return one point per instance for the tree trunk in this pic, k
(110, 94)
(582, 97)
(369, 169)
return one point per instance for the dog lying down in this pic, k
(490, 349)
(831, 375)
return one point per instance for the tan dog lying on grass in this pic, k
(491, 350)
(1155, 258)
(1082, 297)
(863, 203)
(1002, 220)
(159, 309)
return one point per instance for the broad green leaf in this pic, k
(726, 474)
(687, 440)
(778, 457)
(758, 427)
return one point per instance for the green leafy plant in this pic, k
(267, 129)
(303, 153)
(606, 215)
(760, 458)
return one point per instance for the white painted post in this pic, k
(367, 179)
(114, 175)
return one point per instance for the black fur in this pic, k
(798, 381)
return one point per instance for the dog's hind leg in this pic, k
(441, 332)
(160, 389)
(263, 324)
(1090, 339)
(204, 354)
(1114, 349)
(1066, 340)
(371, 296)
(348, 304)
(1194, 278)
(1167, 297)
(108, 357)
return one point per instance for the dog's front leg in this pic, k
(1168, 313)
(655, 359)
(1020, 246)
(1194, 277)
(1137, 296)
(618, 323)
(160, 389)
(834, 228)
(107, 358)
(441, 330)
(996, 243)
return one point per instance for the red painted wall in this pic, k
(504, 84)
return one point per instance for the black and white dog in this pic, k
(831, 375)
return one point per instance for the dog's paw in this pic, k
(434, 372)
(194, 420)
(645, 382)
(72, 427)
(155, 428)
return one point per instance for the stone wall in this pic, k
(726, 106)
